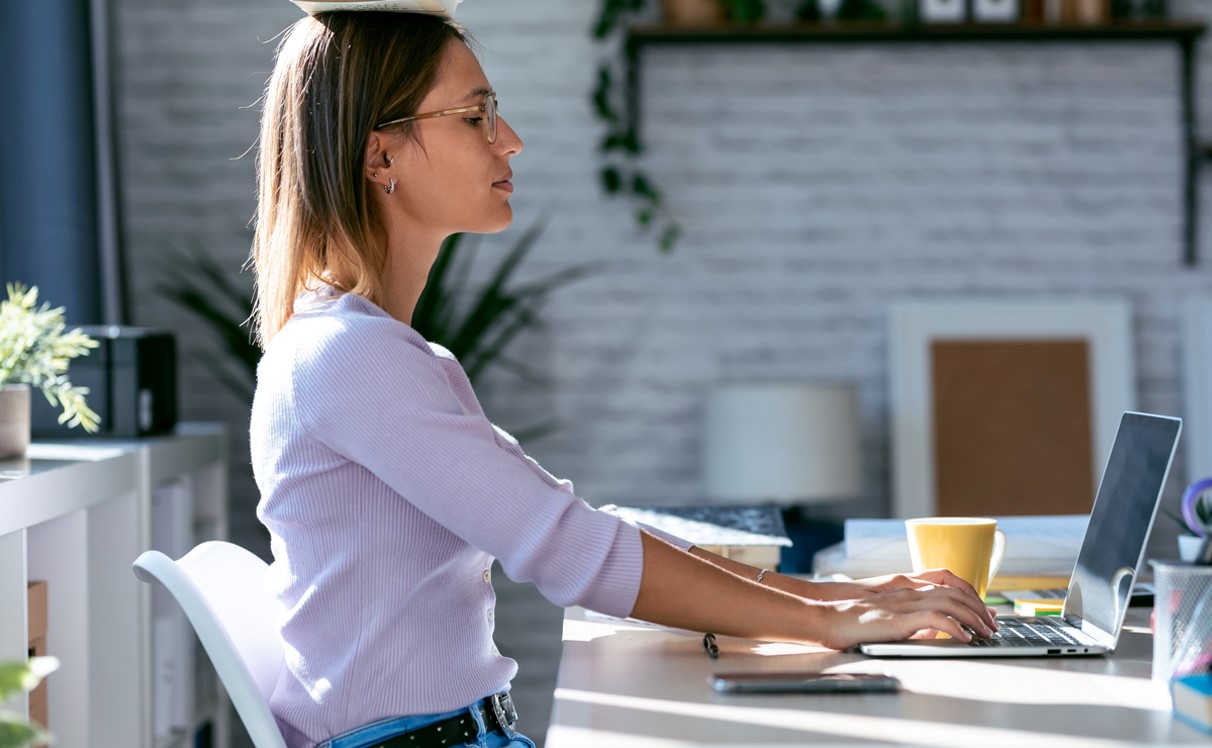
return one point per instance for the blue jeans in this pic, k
(366, 735)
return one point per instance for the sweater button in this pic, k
(490, 614)
(488, 576)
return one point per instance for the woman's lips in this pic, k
(505, 184)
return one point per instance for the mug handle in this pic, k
(1190, 499)
(999, 554)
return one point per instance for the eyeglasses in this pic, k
(489, 109)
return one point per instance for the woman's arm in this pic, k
(682, 590)
(835, 590)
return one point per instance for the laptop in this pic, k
(1112, 551)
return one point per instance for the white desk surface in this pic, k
(623, 683)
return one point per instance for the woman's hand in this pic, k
(861, 588)
(903, 613)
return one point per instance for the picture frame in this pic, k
(1197, 373)
(1101, 377)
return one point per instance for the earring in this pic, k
(375, 175)
(390, 187)
(387, 159)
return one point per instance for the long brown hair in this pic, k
(336, 75)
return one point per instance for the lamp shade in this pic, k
(785, 443)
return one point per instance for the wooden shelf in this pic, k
(1185, 34)
(886, 32)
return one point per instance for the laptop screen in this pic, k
(1120, 521)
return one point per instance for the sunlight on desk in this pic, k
(1004, 682)
(630, 683)
(811, 723)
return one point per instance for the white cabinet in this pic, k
(76, 514)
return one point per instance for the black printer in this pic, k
(132, 380)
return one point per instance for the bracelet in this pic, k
(761, 574)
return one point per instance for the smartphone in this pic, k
(802, 682)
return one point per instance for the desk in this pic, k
(623, 683)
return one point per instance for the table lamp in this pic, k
(787, 444)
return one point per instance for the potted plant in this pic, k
(16, 677)
(35, 351)
(476, 322)
(621, 172)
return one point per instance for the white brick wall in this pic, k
(815, 185)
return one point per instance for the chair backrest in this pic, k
(220, 588)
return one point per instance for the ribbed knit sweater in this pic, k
(387, 494)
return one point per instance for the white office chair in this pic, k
(220, 588)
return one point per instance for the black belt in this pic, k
(498, 714)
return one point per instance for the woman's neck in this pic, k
(407, 271)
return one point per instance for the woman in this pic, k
(387, 492)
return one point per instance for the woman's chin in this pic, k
(498, 223)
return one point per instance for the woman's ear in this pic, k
(378, 158)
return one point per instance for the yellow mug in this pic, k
(972, 548)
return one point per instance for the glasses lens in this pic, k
(490, 117)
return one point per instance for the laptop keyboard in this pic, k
(1028, 632)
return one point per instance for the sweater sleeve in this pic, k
(367, 390)
(668, 537)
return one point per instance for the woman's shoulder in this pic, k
(345, 326)
(345, 344)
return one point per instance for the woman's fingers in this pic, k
(943, 576)
(958, 608)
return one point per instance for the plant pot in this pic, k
(1188, 547)
(14, 419)
(694, 12)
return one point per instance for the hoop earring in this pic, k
(390, 187)
(387, 159)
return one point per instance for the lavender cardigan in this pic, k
(388, 494)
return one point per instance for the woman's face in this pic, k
(449, 178)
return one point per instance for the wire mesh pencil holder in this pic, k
(1182, 619)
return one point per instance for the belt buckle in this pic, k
(502, 709)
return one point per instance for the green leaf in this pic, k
(18, 677)
(493, 300)
(641, 187)
(35, 350)
(612, 180)
(669, 237)
(631, 142)
(745, 11)
(601, 96)
(203, 288)
(16, 732)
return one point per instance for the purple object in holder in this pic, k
(1190, 498)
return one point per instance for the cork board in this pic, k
(1013, 428)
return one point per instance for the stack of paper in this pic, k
(1035, 546)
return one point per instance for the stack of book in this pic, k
(751, 534)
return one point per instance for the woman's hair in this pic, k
(337, 75)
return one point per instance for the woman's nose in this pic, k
(508, 139)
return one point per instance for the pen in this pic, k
(709, 644)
